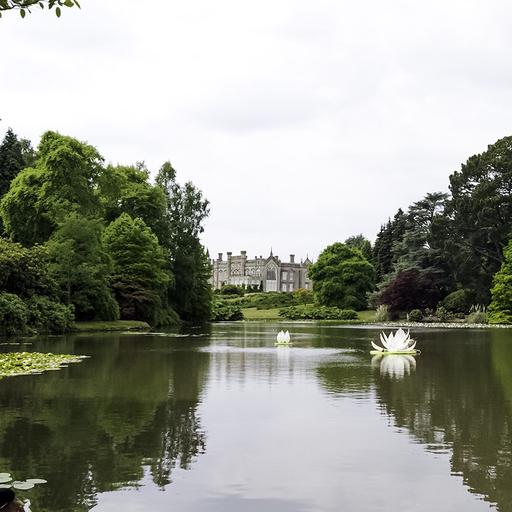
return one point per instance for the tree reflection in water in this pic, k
(100, 425)
(459, 398)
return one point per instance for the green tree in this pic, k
(82, 268)
(191, 293)
(126, 189)
(342, 277)
(388, 237)
(140, 271)
(500, 309)
(24, 6)
(361, 243)
(11, 160)
(64, 180)
(478, 217)
(25, 272)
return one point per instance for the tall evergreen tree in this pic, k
(479, 217)
(186, 210)
(11, 160)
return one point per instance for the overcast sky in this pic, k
(302, 122)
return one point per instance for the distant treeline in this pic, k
(84, 240)
(449, 248)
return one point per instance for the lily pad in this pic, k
(5, 479)
(36, 481)
(22, 486)
(24, 363)
(5, 486)
(4, 475)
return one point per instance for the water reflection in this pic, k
(130, 409)
(394, 365)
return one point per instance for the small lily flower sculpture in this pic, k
(398, 343)
(283, 338)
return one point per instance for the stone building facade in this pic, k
(269, 274)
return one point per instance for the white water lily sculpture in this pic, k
(400, 341)
(283, 337)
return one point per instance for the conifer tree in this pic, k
(11, 160)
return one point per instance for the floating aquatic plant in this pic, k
(6, 482)
(24, 363)
(398, 342)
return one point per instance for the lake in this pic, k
(219, 419)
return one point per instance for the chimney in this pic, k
(243, 253)
(229, 254)
(292, 258)
(220, 256)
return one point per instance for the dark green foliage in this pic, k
(459, 301)
(479, 217)
(139, 276)
(342, 277)
(500, 309)
(313, 312)
(62, 181)
(303, 296)
(361, 243)
(48, 316)
(126, 189)
(225, 311)
(410, 289)
(11, 160)
(190, 294)
(13, 314)
(270, 300)
(231, 289)
(82, 268)
(415, 315)
(25, 272)
(388, 237)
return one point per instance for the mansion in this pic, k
(268, 274)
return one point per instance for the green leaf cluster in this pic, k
(500, 308)
(342, 277)
(315, 312)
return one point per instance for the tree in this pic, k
(186, 210)
(25, 272)
(410, 289)
(361, 243)
(126, 189)
(478, 217)
(500, 309)
(24, 6)
(11, 160)
(82, 268)
(342, 277)
(63, 180)
(140, 275)
(383, 251)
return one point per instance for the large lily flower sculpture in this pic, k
(283, 338)
(399, 342)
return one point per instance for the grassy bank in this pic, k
(273, 314)
(115, 325)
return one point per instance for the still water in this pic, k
(221, 420)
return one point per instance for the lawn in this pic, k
(115, 325)
(261, 314)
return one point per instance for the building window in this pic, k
(271, 275)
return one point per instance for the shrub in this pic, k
(13, 314)
(225, 311)
(312, 312)
(415, 315)
(382, 313)
(268, 300)
(479, 317)
(442, 314)
(303, 296)
(231, 289)
(48, 316)
(458, 301)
